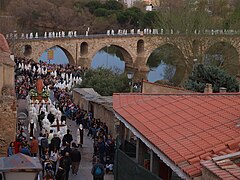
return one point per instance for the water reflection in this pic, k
(110, 58)
(167, 67)
(162, 71)
(166, 63)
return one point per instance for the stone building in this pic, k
(7, 97)
(100, 106)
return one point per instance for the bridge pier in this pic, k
(140, 64)
(84, 62)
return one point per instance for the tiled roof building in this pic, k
(183, 129)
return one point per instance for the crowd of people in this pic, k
(57, 150)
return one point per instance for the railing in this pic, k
(120, 32)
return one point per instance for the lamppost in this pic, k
(107, 54)
(194, 64)
(130, 77)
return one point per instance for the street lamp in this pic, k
(194, 64)
(130, 77)
(107, 54)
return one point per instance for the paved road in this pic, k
(84, 172)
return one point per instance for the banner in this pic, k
(50, 54)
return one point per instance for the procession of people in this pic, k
(47, 135)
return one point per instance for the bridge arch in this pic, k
(66, 52)
(83, 48)
(140, 46)
(170, 60)
(27, 50)
(222, 54)
(128, 57)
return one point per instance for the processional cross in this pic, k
(58, 125)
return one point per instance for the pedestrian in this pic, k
(65, 163)
(34, 146)
(60, 175)
(44, 144)
(80, 133)
(25, 150)
(17, 145)
(54, 155)
(10, 150)
(76, 158)
(101, 149)
(67, 138)
(98, 170)
(39, 144)
(55, 142)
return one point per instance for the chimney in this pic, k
(222, 90)
(208, 88)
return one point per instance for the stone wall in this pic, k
(107, 116)
(7, 98)
(100, 111)
(148, 87)
(7, 122)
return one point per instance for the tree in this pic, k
(151, 20)
(113, 5)
(93, 5)
(213, 75)
(105, 81)
(130, 18)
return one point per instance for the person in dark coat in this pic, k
(55, 142)
(101, 149)
(67, 138)
(76, 158)
(66, 149)
(50, 117)
(40, 118)
(60, 174)
(65, 163)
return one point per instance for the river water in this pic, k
(111, 60)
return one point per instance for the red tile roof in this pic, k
(187, 128)
(224, 166)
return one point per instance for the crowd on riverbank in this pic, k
(55, 149)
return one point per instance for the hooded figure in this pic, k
(31, 128)
(80, 135)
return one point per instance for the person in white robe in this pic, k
(46, 124)
(37, 106)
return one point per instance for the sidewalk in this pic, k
(84, 172)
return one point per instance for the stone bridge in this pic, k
(136, 49)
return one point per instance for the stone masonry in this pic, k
(7, 98)
(136, 49)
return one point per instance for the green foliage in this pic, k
(93, 5)
(132, 16)
(151, 20)
(100, 12)
(213, 75)
(113, 5)
(105, 81)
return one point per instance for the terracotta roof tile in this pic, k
(191, 126)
